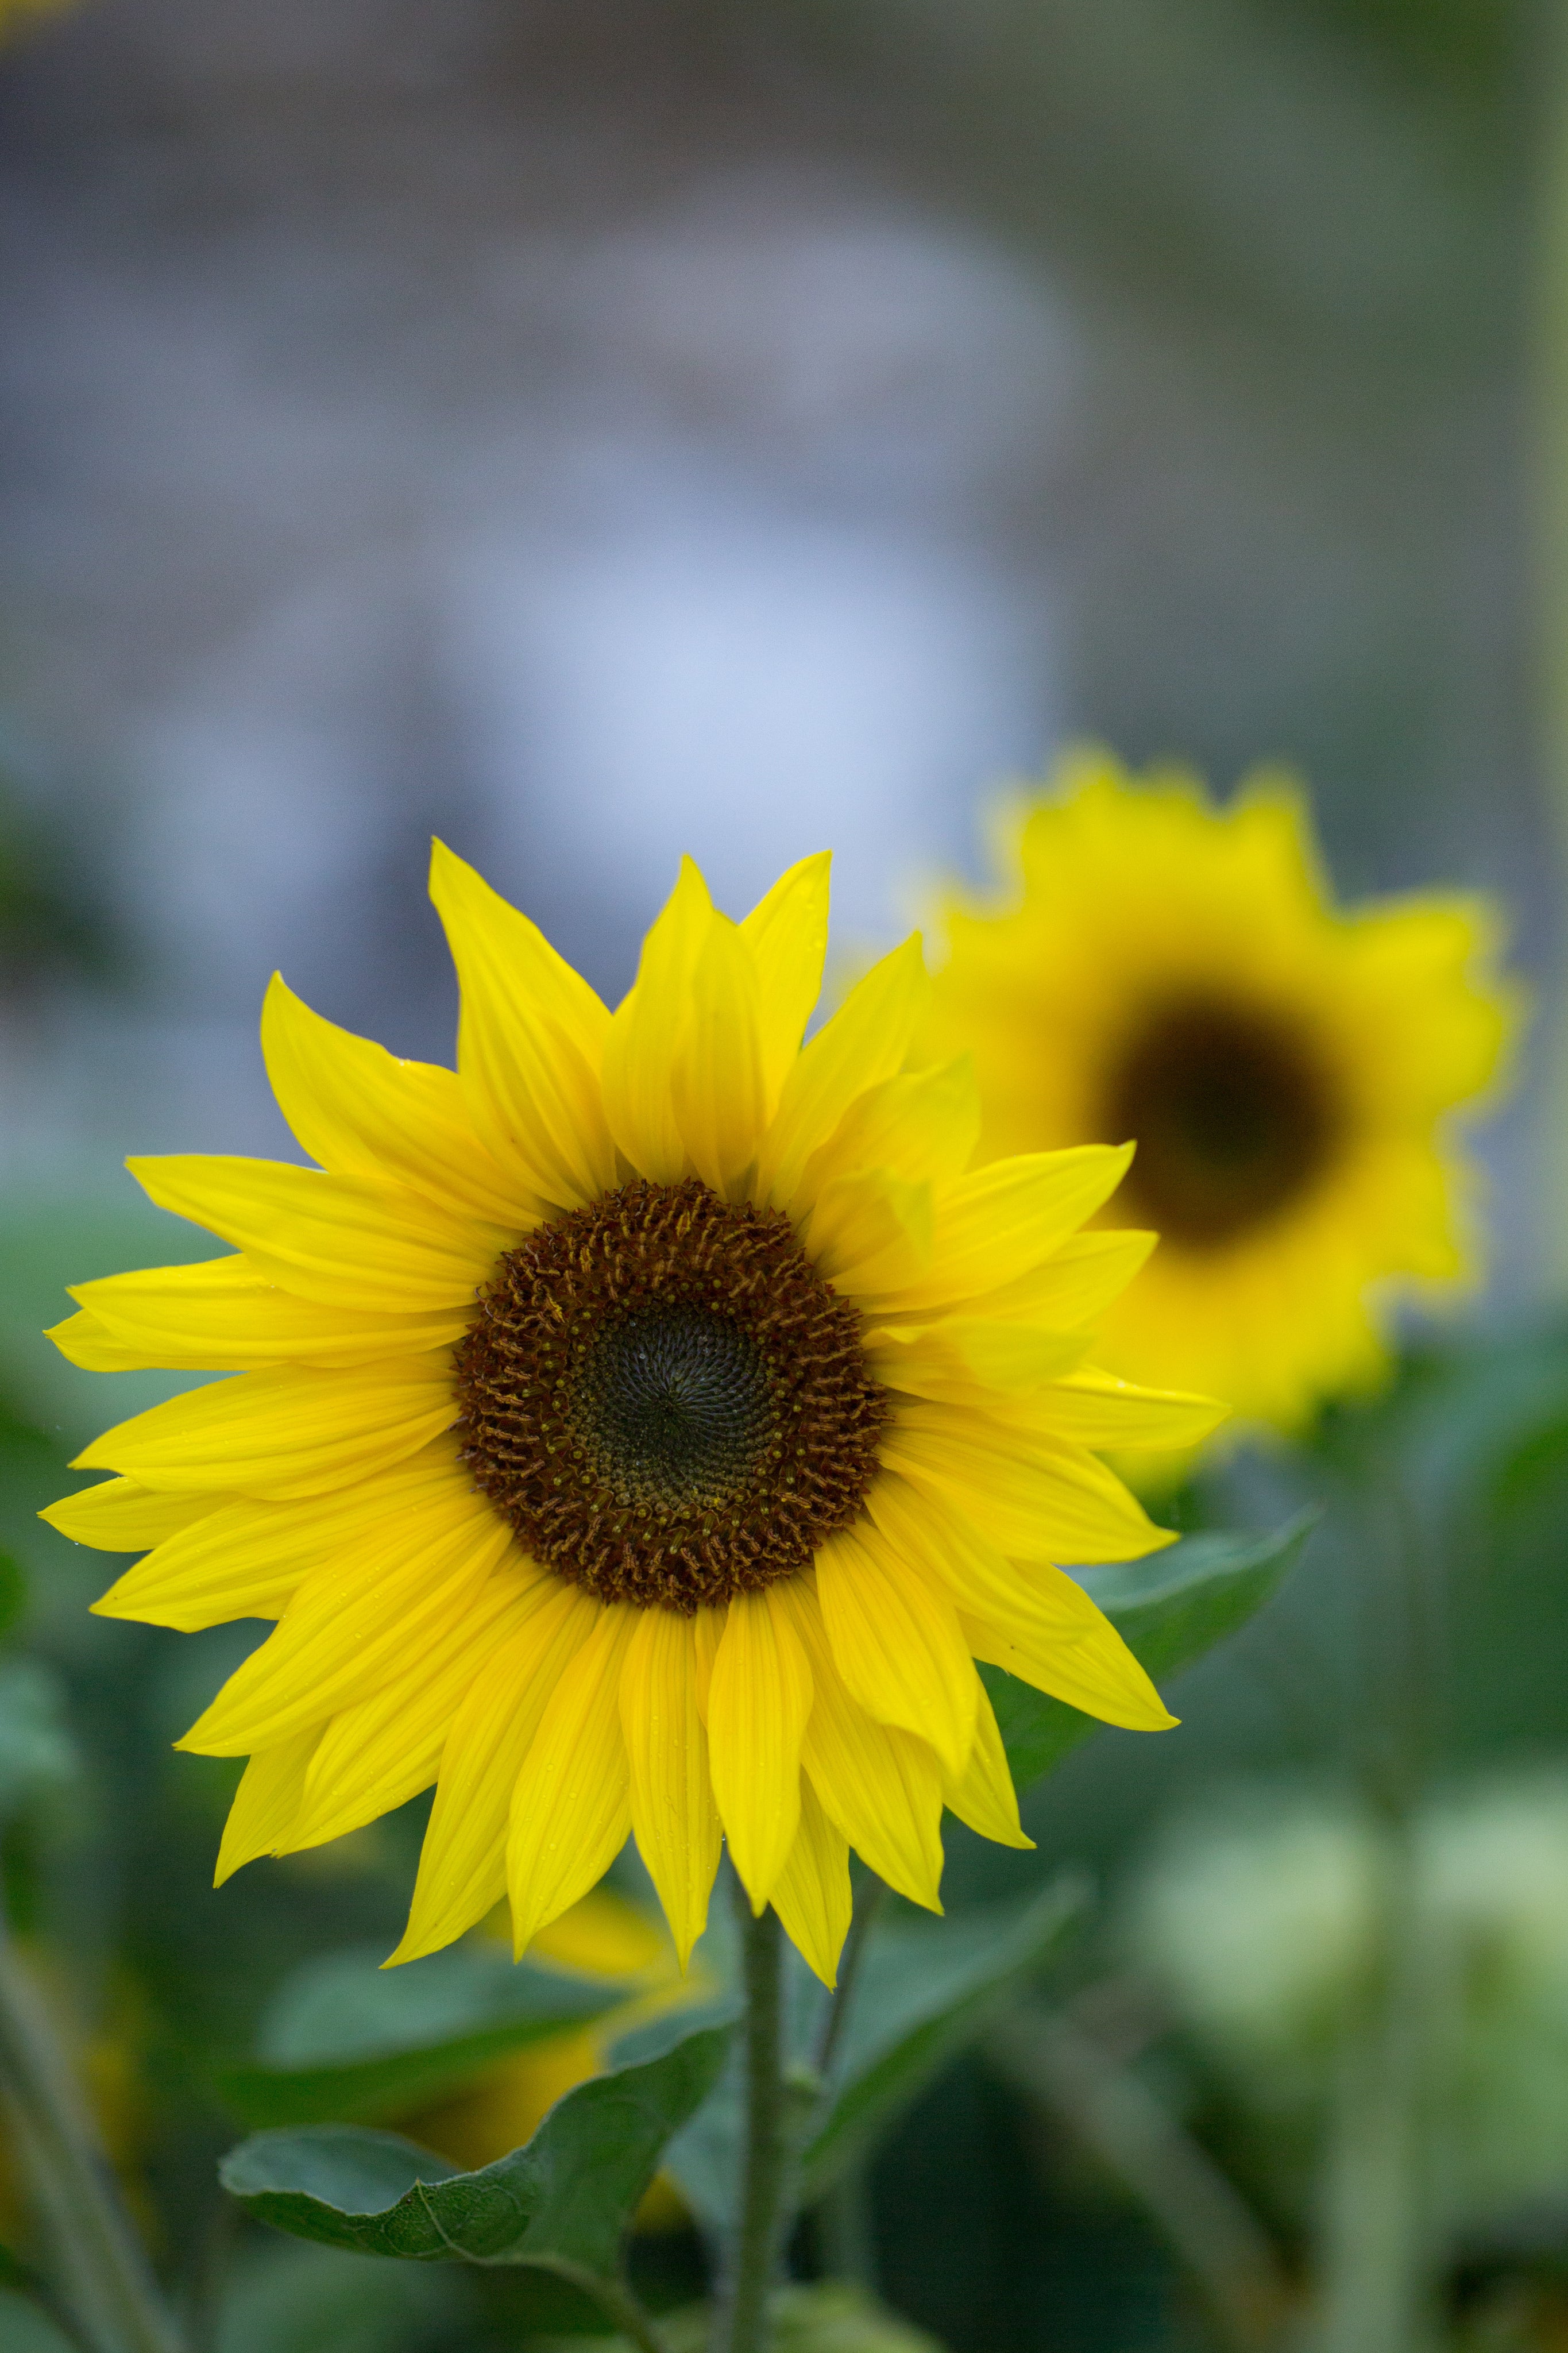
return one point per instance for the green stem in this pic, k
(1378, 2256)
(1377, 2262)
(104, 2276)
(753, 2255)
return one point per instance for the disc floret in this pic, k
(665, 1399)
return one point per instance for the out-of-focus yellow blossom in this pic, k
(1159, 972)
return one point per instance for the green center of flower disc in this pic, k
(666, 1400)
(1233, 1116)
(677, 1405)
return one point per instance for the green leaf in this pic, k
(347, 2040)
(562, 2204)
(1169, 1610)
(37, 1752)
(923, 1992)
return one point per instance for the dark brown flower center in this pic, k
(1233, 1116)
(666, 1400)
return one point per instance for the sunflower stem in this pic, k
(105, 2280)
(752, 2255)
(1378, 2259)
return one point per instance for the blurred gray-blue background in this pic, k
(594, 432)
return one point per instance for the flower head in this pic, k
(1179, 976)
(641, 1429)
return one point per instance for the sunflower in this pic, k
(1165, 971)
(642, 1429)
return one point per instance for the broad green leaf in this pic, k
(36, 1752)
(347, 2040)
(562, 2204)
(1169, 1611)
(922, 1993)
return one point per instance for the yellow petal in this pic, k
(571, 1808)
(896, 1641)
(1076, 1284)
(1095, 1408)
(1038, 1600)
(865, 1042)
(248, 1560)
(923, 1125)
(648, 1028)
(462, 1864)
(283, 1433)
(953, 1359)
(673, 1814)
(348, 1241)
(122, 1515)
(82, 1340)
(1036, 1502)
(220, 1315)
(995, 1225)
(881, 1786)
(758, 1703)
(355, 1623)
(1099, 1675)
(376, 1754)
(266, 1802)
(360, 1112)
(871, 1231)
(717, 1084)
(812, 1894)
(787, 934)
(983, 1796)
(530, 1042)
(707, 1633)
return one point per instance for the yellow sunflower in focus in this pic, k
(641, 1429)
(1179, 975)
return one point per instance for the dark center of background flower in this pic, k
(1233, 1116)
(666, 1400)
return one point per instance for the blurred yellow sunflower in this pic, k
(641, 1429)
(1162, 971)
